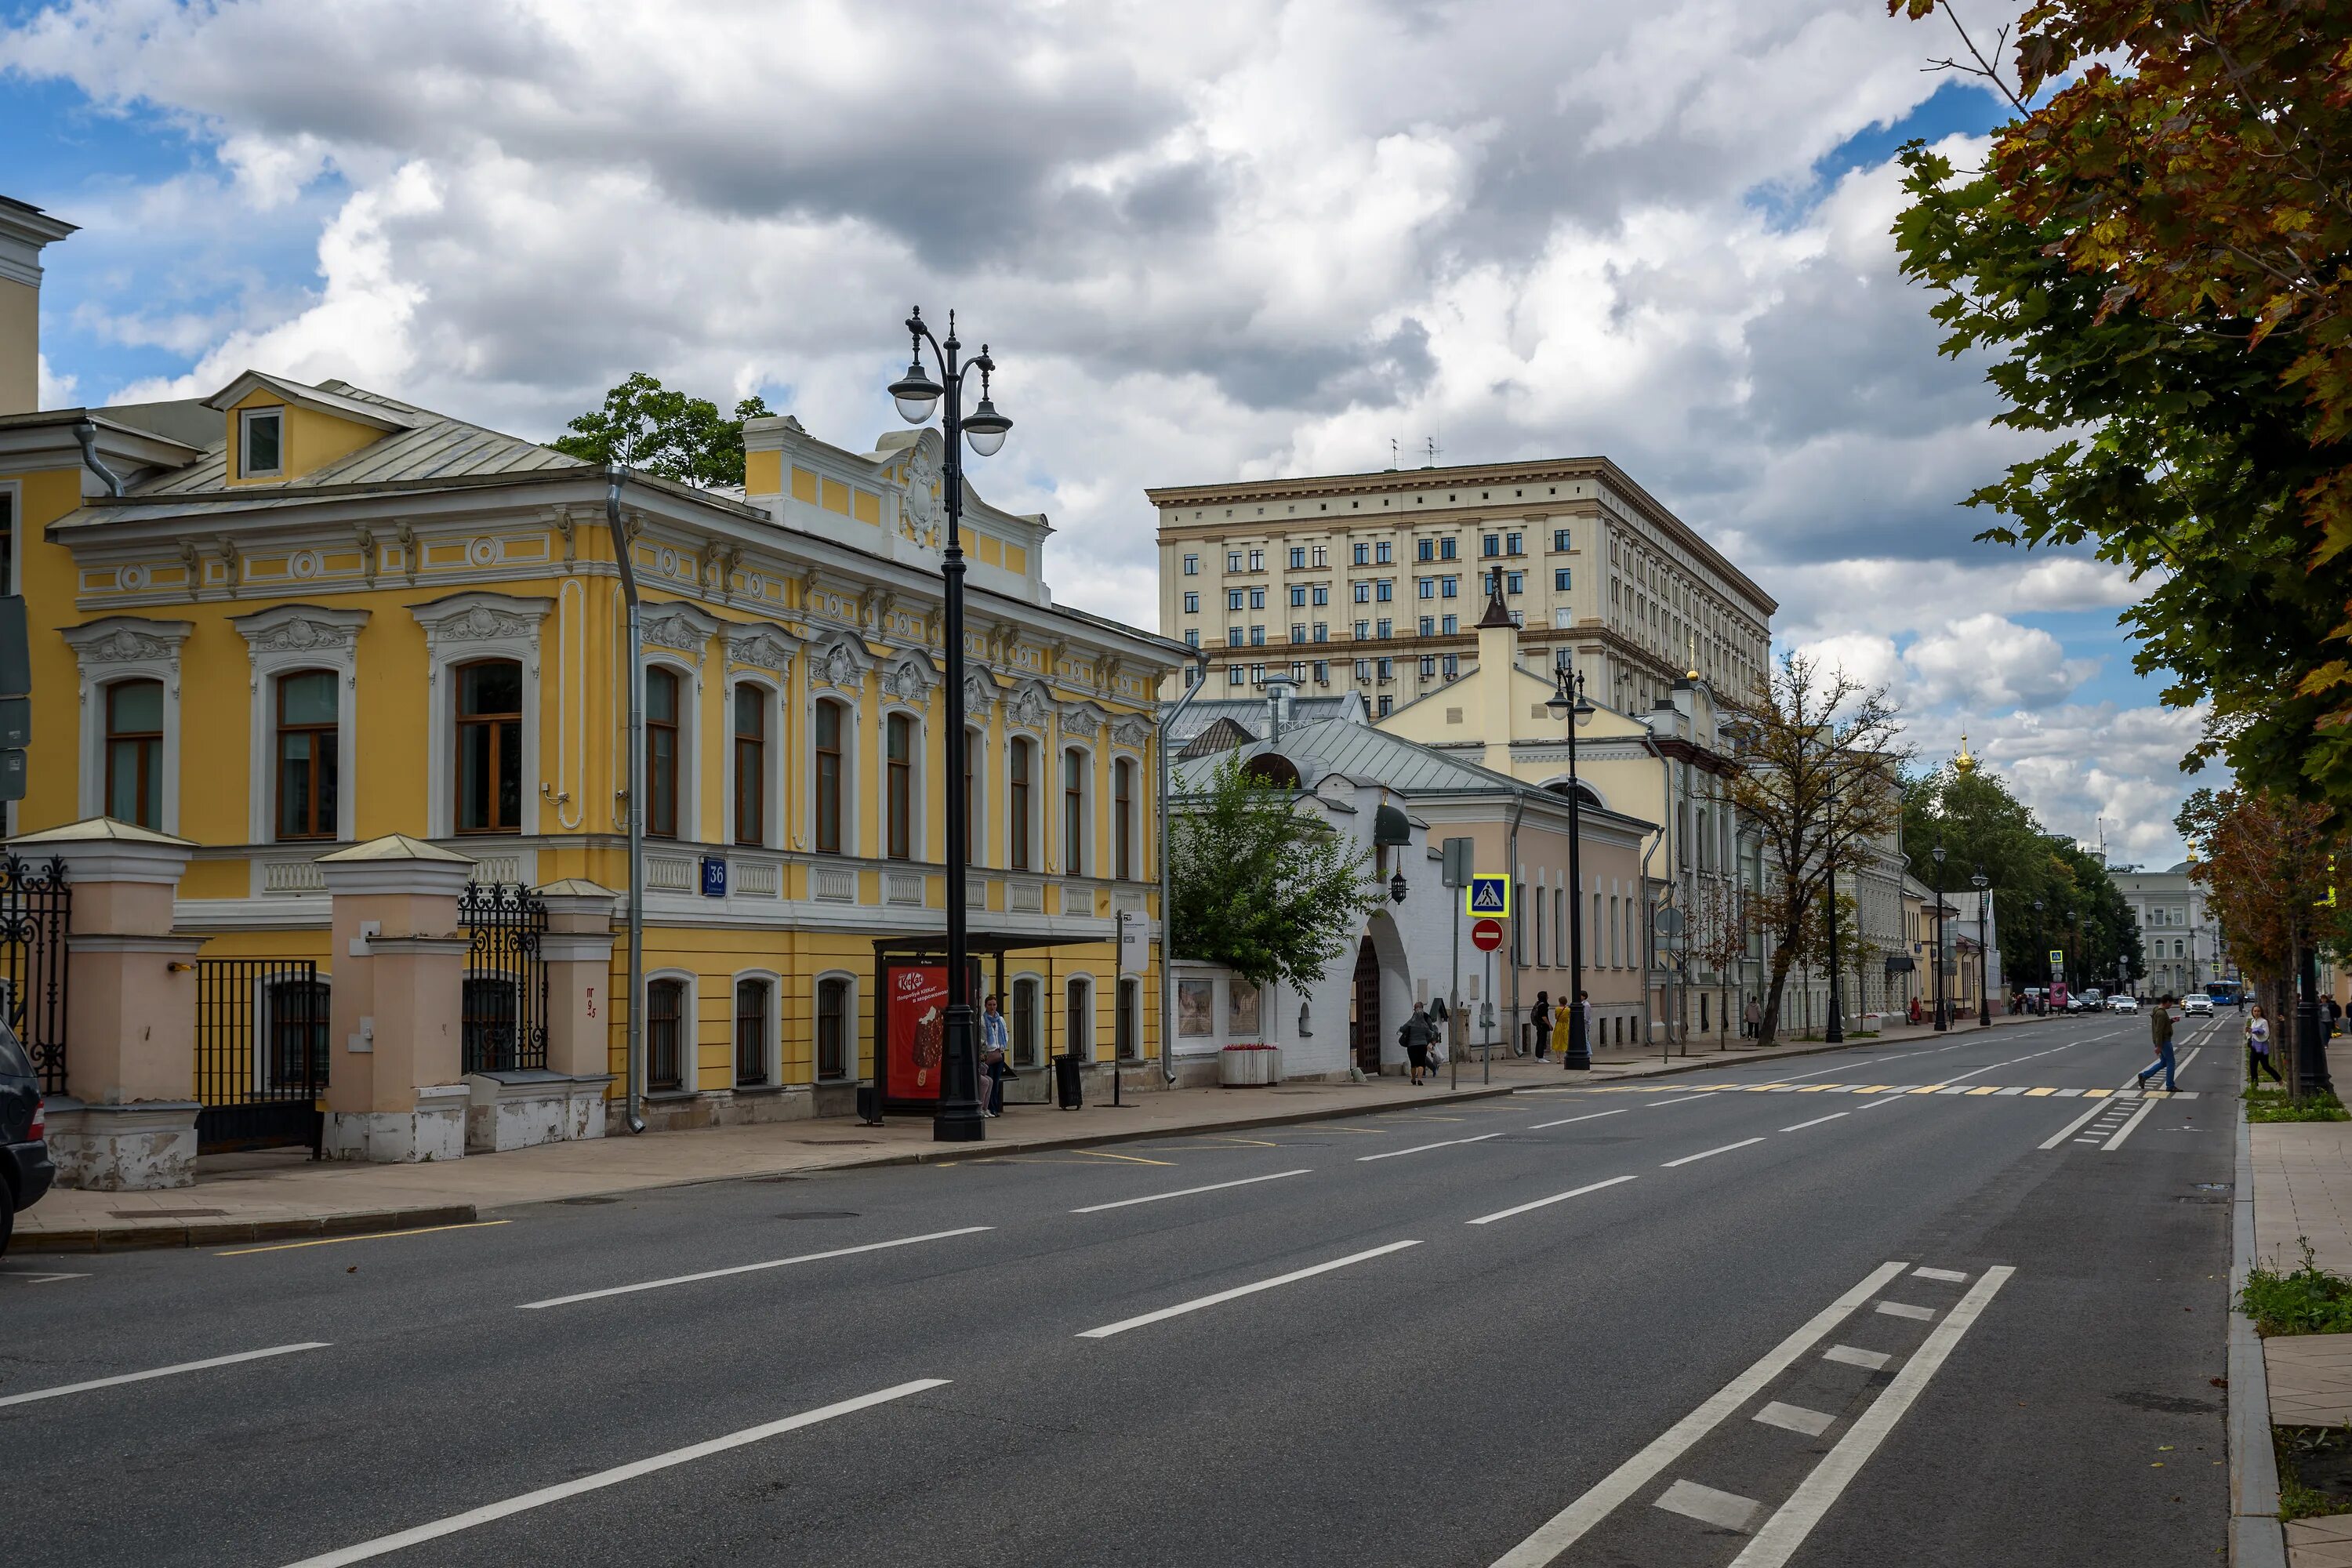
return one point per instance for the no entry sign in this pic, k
(1486, 935)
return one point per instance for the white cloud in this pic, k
(1227, 238)
(52, 390)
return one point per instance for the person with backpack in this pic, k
(2258, 1049)
(2160, 1030)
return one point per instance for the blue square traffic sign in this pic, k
(1489, 894)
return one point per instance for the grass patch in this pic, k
(2307, 1454)
(2276, 1105)
(2310, 1301)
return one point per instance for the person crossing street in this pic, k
(2159, 1029)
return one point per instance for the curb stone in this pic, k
(132, 1237)
(2256, 1538)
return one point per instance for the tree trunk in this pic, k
(1768, 1023)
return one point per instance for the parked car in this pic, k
(2121, 1004)
(24, 1167)
(2197, 1004)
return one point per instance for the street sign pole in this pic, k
(1454, 873)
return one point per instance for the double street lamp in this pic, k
(1568, 701)
(958, 1119)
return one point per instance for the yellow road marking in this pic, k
(1131, 1159)
(1931, 1088)
(1873, 1089)
(1989, 1089)
(1815, 1087)
(2036, 1093)
(371, 1236)
(2097, 1093)
(1334, 1127)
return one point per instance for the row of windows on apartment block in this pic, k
(1373, 590)
(1449, 666)
(1379, 553)
(487, 751)
(1365, 631)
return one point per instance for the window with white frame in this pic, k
(758, 1034)
(1078, 1026)
(1027, 1021)
(751, 774)
(832, 760)
(260, 442)
(129, 683)
(836, 1029)
(669, 1035)
(304, 753)
(1074, 782)
(482, 744)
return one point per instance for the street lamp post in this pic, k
(1942, 1020)
(1984, 970)
(1568, 701)
(960, 1118)
(2041, 945)
(1833, 1031)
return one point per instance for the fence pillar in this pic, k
(578, 950)
(127, 1121)
(396, 1092)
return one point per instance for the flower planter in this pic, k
(1243, 1067)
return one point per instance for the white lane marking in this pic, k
(1904, 1309)
(1238, 1291)
(1560, 1531)
(1424, 1148)
(1795, 1418)
(37, 1279)
(2128, 1128)
(2072, 1126)
(750, 1267)
(1725, 1510)
(64, 1389)
(1545, 1203)
(1874, 1360)
(1188, 1192)
(1948, 1275)
(1817, 1121)
(384, 1544)
(1786, 1530)
(1592, 1116)
(1683, 1099)
(1709, 1154)
(1894, 1098)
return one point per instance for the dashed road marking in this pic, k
(1187, 1191)
(1851, 1356)
(1591, 1116)
(1197, 1304)
(1725, 1510)
(1795, 1418)
(1709, 1154)
(1904, 1309)
(1424, 1148)
(63, 1389)
(1545, 1203)
(1948, 1275)
(1817, 1121)
(750, 1267)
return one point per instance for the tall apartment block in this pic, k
(1375, 582)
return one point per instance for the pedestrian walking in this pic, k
(1541, 1019)
(1415, 1037)
(993, 1038)
(2159, 1031)
(2334, 1010)
(1751, 1018)
(2258, 1049)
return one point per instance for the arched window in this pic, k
(1028, 1008)
(898, 786)
(665, 1036)
(1073, 812)
(135, 753)
(307, 752)
(829, 720)
(834, 1055)
(750, 763)
(1079, 1037)
(489, 746)
(1122, 821)
(754, 1006)
(1016, 823)
(661, 753)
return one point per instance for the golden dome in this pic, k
(1964, 764)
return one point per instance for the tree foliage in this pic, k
(2153, 254)
(2269, 865)
(1982, 825)
(1820, 764)
(1260, 887)
(648, 427)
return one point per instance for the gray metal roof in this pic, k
(1251, 714)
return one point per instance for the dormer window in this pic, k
(261, 443)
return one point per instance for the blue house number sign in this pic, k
(714, 876)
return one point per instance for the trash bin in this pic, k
(1069, 1088)
(869, 1105)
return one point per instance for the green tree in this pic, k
(2153, 255)
(1259, 886)
(647, 426)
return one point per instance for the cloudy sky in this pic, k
(1206, 240)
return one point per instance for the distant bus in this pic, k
(2226, 992)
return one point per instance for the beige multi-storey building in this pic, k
(1374, 582)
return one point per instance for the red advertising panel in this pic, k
(918, 1028)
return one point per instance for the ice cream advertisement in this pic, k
(918, 1022)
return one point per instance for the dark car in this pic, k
(25, 1168)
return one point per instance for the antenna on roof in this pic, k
(1429, 443)
(1392, 454)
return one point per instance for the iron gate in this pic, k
(505, 1004)
(261, 1053)
(35, 908)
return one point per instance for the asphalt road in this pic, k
(1347, 1349)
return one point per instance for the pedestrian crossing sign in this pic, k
(1488, 895)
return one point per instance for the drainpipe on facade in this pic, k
(1518, 948)
(1167, 883)
(1649, 915)
(87, 434)
(613, 479)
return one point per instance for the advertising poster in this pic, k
(918, 1028)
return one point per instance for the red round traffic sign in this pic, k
(1486, 935)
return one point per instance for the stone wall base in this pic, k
(436, 1130)
(532, 1106)
(145, 1146)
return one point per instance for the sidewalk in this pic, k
(282, 1193)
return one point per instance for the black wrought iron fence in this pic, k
(505, 1003)
(36, 909)
(261, 1053)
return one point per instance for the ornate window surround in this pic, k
(458, 629)
(116, 648)
(279, 641)
(761, 658)
(836, 672)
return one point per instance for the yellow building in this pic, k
(290, 619)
